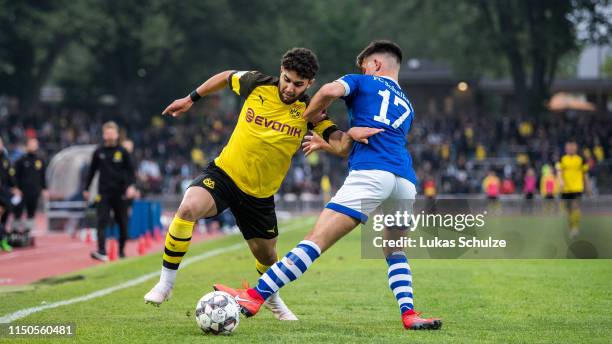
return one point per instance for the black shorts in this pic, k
(256, 217)
(571, 195)
(550, 197)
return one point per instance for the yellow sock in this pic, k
(574, 218)
(177, 242)
(261, 268)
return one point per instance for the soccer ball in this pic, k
(218, 313)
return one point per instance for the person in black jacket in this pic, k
(8, 191)
(30, 178)
(115, 186)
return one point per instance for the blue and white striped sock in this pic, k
(288, 269)
(400, 280)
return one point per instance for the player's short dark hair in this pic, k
(380, 46)
(302, 61)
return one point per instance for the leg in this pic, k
(103, 219)
(31, 202)
(361, 193)
(4, 245)
(574, 216)
(197, 203)
(120, 210)
(329, 228)
(264, 251)
(2, 211)
(399, 274)
(17, 214)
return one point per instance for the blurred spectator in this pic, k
(491, 185)
(455, 151)
(529, 183)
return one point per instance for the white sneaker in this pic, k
(161, 292)
(574, 232)
(278, 307)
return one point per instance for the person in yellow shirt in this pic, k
(252, 165)
(573, 180)
(491, 186)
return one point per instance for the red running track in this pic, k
(58, 254)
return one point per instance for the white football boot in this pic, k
(278, 307)
(161, 292)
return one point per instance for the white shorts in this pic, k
(365, 190)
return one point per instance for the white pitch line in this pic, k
(22, 313)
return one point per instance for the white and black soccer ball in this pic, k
(218, 313)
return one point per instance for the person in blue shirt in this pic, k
(381, 175)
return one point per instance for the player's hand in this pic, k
(361, 134)
(178, 107)
(313, 143)
(16, 192)
(86, 195)
(131, 192)
(45, 194)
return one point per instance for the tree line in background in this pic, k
(147, 52)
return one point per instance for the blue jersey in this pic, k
(379, 102)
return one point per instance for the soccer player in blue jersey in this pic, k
(380, 172)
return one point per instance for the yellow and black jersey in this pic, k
(7, 173)
(572, 169)
(266, 136)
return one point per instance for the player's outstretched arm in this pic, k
(340, 143)
(212, 85)
(321, 100)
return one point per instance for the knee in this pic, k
(188, 210)
(268, 258)
(265, 255)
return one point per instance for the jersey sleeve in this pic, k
(323, 128)
(244, 82)
(350, 83)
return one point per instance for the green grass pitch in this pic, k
(342, 298)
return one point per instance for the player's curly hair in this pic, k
(302, 61)
(380, 46)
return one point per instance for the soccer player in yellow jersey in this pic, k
(573, 181)
(252, 166)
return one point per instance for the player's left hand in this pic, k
(361, 134)
(313, 143)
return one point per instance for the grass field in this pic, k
(342, 298)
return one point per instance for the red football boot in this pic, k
(232, 291)
(412, 321)
(249, 299)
